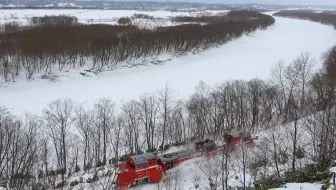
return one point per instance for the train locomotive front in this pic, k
(138, 169)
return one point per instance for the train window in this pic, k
(140, 166)
(141, 181)
(152, 162)
(168, 155)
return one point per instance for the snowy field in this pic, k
(88, 15)
(245, 58)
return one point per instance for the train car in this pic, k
(171, 160)
(138, 169)
(205, 145)
(240, 138)
(149, 167)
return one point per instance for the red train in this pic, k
(149, 167)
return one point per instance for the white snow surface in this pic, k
(300, 186)
(245, 58)
(306, 186)
(87, 15)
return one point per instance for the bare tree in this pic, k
(132, 132)
(148, 114)
(171, 181)
(167, 104)
(45, 157)
(19, 149)
(298, 76)
(59, 118)
(117, 135)
(106, 179)
(242, 159)
(217, 169)
(105, 118)
(196, 181)
(84, 122)
(279, 81)
(255, 90)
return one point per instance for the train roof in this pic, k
(240, 134)
(143, 158)
(176, 155)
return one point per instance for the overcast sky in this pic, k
(279, 2)
(298, 2)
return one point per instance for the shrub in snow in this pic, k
(77, 169)
(88, 166)
(283, 157)
(260, 162)
(125, 21)
(311, 173)
(268, 183)
(113, 161)
(61, 184)
(74, 183)
(93, 179)
(300, 153)
(100, 163)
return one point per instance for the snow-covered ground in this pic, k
(86, 15)
(245, 58)
(300, 186)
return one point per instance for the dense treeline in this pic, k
(329, 12)
(230, 16)
(143, 16)
(246, 14)
(68, 138)
(325, 18)
(51, 45)
(53, 20)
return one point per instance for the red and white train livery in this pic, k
(150, 167)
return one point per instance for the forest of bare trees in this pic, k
(43, 151)
(58, 42)
(68, 138)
